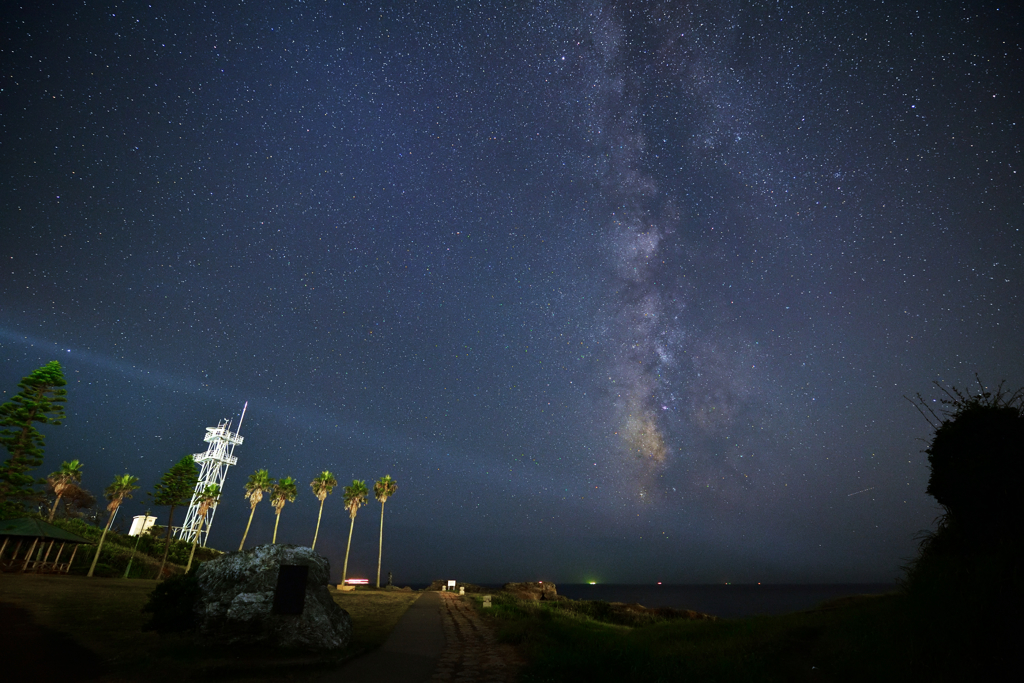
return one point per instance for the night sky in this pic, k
(617, 292)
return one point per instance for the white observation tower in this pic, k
(213, 466)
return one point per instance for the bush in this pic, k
(964, 589)
(172, 604)
(117, 550)
(977, 463)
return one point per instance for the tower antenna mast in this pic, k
(237, 431)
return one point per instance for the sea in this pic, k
(727, 601)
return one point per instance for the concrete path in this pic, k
(441, 637)
(410, 653)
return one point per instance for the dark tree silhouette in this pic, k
(977, 462)
(63, 481)
(175, 488)
(964, 590)
(80, 502)
(41, 400)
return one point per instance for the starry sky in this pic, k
(616, 291)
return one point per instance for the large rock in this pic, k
(533, 591)
(238, 600)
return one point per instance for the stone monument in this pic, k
(274, 595)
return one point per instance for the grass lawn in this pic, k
(374, 614)
(105, 618)
(95, 625)
(853, 639)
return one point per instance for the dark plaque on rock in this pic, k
(272, 596)
(290, 595)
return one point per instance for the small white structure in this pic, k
(141, 524)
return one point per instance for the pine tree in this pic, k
(175, 488)
(40, 400)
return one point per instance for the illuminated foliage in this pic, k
(41, 400)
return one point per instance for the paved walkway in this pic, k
(410, 653)
(471, 653)
(439, 638)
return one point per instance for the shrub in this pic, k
(977, 466)
(964, 588)
(172, 604)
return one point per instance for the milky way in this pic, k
(619, 290)
(678, 370)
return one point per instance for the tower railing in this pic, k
(213, 469)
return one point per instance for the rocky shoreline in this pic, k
(613, 612)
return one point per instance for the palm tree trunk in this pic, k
(380, 547)
(344, 572)
(276, 522)
(55, 503)
(251, 513)
(102, 538)
(313, 547)
(167, 542)
(195, 542)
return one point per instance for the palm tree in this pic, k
(355, 497)
(322, 486)
(121, 488)
(69, 474)
(207, 499)
(284, 491)
(383, 489)
(258, 483)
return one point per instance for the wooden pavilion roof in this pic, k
(32, 527)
